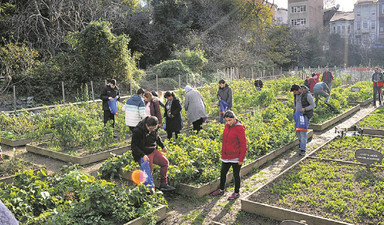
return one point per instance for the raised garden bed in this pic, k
(9, 166)
(21, 141)
(324, 191)
(363, 103)
(160, 212)
(202, 190)
(325, 125)
(81, 160)
(373, 124)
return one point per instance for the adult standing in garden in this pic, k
(304, 103)
(321, 89)
(173, 120)
(195, 107)
(152, 106)
(312, 81)
(134, 109)
(327, 77)
(233, 152)
(145, 143)
(108, 93)
(225, 96)
(377, 79)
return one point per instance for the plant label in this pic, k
(368, 156)
(355, 89)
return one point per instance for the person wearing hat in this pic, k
(195, 107)
(109, 92)
(303, 103)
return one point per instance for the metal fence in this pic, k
(91, 91)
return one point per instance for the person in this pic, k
(312, 81)
(172, 115)
(321, 89)
(134, 109)
(145, 143)
(304, 103)
(327, 77)
(195, 107)
(6, 216)
(224, 94)
(152, 106)
(258, 84)
(158, 96)
(233, 152)
(377, 79)
(108, 93)
(306, 82)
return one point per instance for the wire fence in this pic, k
(91, 91)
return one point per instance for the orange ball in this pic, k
(138, 177)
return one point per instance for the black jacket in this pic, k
(142, 140)
(108, 92)
(175, 122)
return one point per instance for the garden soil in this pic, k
(214, 210)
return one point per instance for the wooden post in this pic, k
(93, 92)
(273, 71)
(252, 73)
(130, 86)
(157, 82)
(179, 81)
(14, 98)
(105, 82)
(62, 87)
(281, 71)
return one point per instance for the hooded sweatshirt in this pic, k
(134, 110)
(234, 146)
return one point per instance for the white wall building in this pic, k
(342, 23)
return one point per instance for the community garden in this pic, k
(319, 184)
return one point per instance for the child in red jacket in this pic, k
(233, 151)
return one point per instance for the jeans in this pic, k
(303, 137)
(318, 92)
(221, 118)
(236, 173)
(376, 91)
(156, 157)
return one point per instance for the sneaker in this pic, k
(166, 187)
(234, 196)
(302, 152)
(218, 192)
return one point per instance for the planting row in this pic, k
(320, 190)
(73, 197)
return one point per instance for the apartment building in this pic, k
(366, 25)
(342, 23)
(282, 16)
(305, 14)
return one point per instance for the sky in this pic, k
(345, 5)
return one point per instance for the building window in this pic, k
(298, 9)
(334, 29)
(358, 11)
(382, 8)
(373, 25)
(358, 25)
(349, 29)
(365, 25)
(299, 22)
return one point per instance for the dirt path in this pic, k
(207, 210)
(211, 210)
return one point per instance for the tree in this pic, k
(99, 54)
(17, 60)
